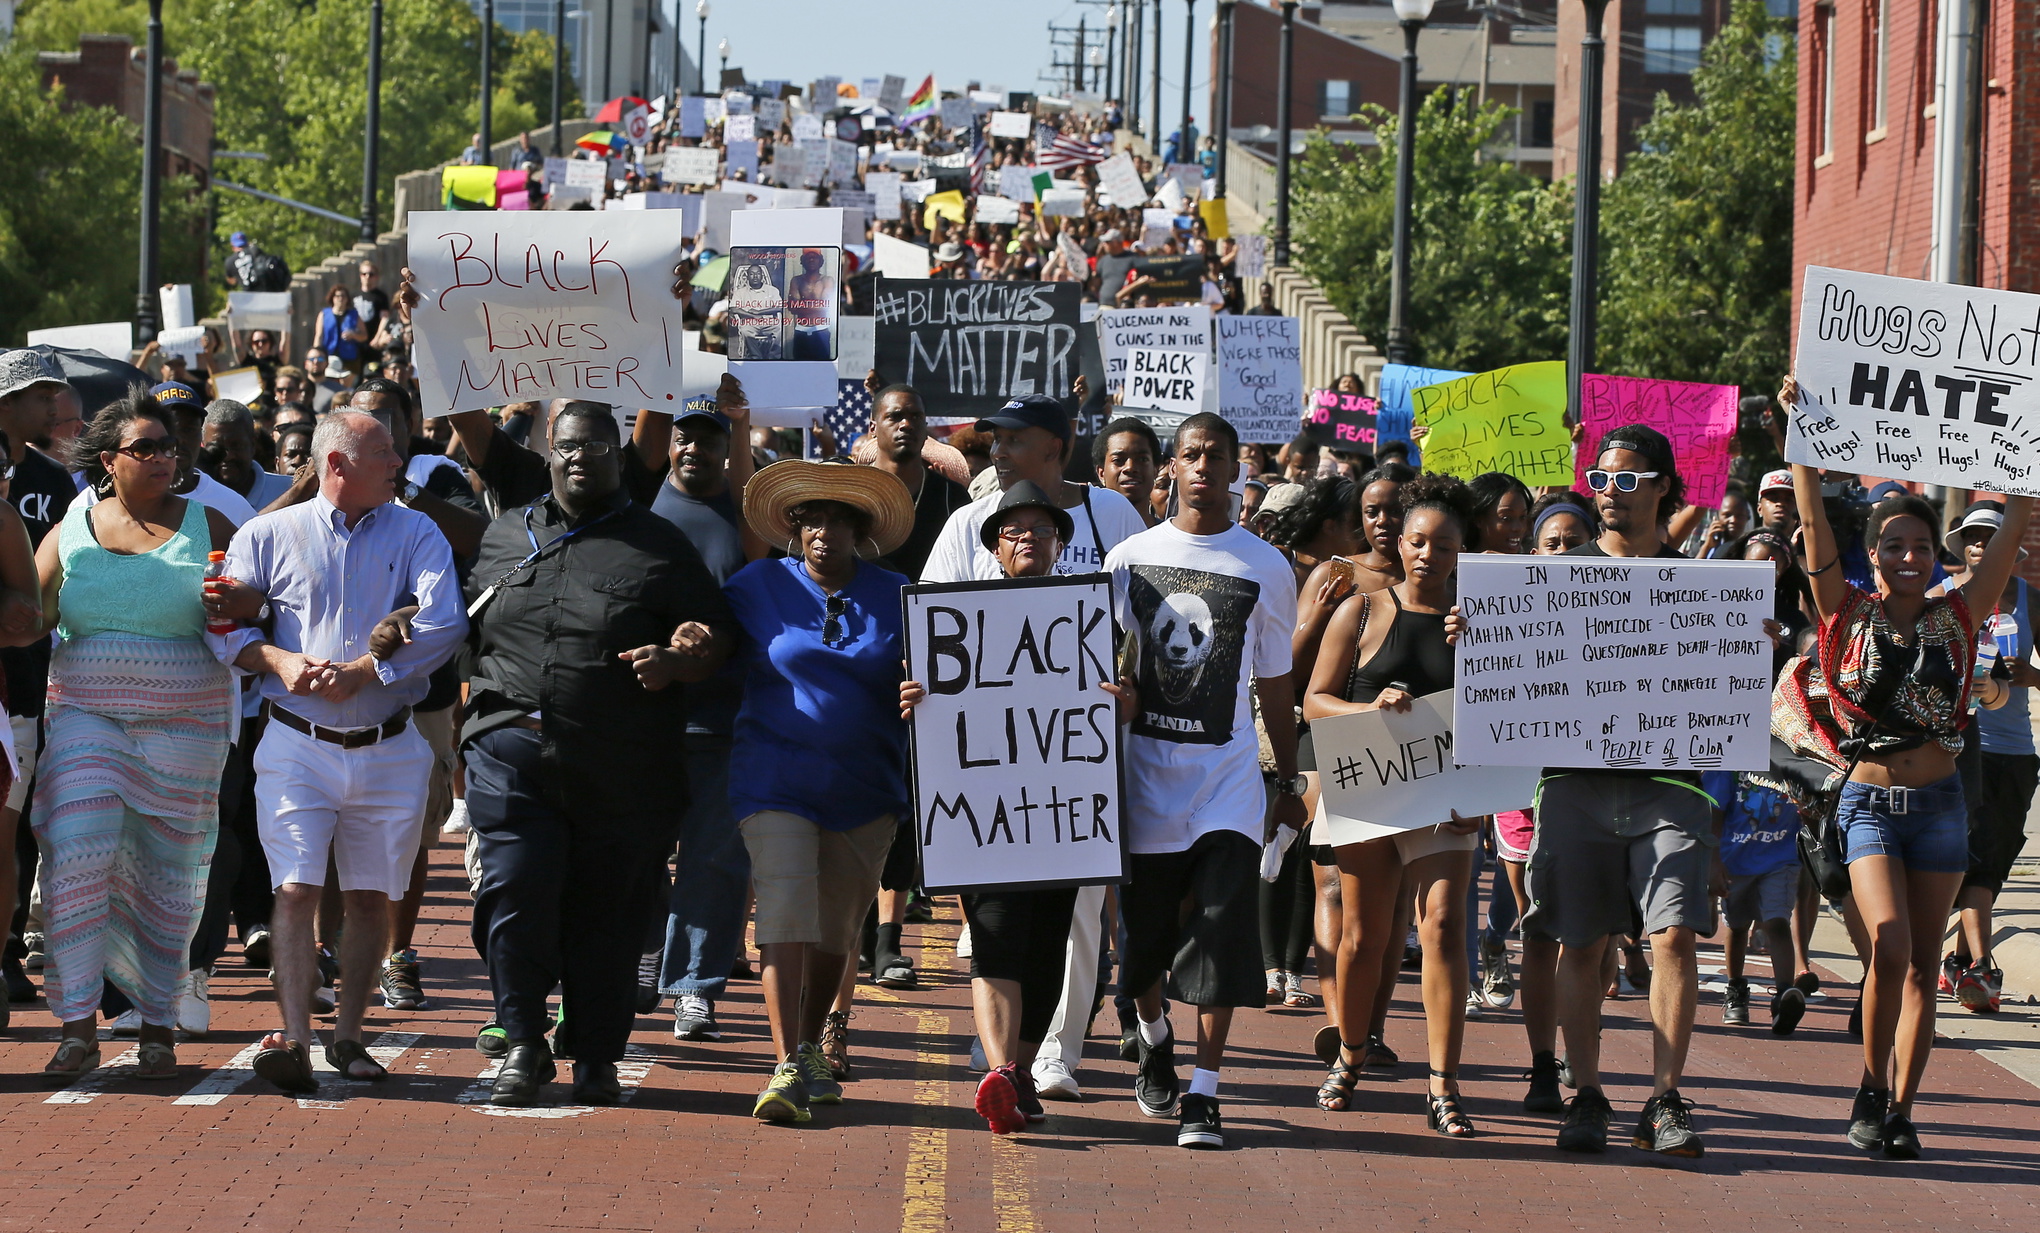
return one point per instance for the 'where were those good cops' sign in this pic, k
(1016, 758)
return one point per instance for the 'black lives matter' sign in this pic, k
(966, 347)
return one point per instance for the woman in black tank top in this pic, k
(1382, 652)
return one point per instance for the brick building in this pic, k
(1653, 48)
(108, 70)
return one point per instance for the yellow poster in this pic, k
(1510, 420)
(947, 205)
(1215, 224)
(471, 183)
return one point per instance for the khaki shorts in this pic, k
(814, 885)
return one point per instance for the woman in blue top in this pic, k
(819, 758)
(340, 330)
(135, 737)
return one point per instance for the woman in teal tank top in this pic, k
(136, 734)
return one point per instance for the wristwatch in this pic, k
(411, 491)
(262, 613)
(1295, 785)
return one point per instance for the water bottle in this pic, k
(215, 571)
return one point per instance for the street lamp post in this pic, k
(1130, 61)
(1586, 212)
(488, 75)
(1283, 85)
(1221, 111)
(147, 295)
(722, 48)
(701, 47)
(559, 69)
(1155, 81)
(608, 47)
(1097, 57)
(1186, 149)
(1413, 14)
(1106, 84)
(371, 136)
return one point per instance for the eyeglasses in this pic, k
(570, 450)
(1624, 481)
(832, 620)
(144, 449)
(1022, 534)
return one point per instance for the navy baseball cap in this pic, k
(175, 394)
(702, 407)
(239, 239)
(1030, 411)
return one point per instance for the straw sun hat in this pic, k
(785, 485)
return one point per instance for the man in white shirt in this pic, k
(1210, 607)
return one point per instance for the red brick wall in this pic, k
(1627, 93)
(1318, 56)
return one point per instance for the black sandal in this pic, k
(289, 1067)
(342, 1054)
(1335, 1094)
(1442, 1112)
(1379, 1056)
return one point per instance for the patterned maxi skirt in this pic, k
(126, 813)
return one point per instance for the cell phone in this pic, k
(1342, 569)
(1402, 685)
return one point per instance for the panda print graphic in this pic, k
(1191, 629)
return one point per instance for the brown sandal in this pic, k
(343, 1054)
(289, 1068)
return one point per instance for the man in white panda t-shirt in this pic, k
(1031, 441)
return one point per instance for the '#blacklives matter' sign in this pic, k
(1016, 749)
(966, 347)
(1614, 662)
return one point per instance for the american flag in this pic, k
(848, 419)
(1055, 150)
(980, 155)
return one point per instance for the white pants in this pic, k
(364, 806)
(1065, 1039)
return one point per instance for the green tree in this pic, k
(526, 58)
(1696, 280)
(1489, 248)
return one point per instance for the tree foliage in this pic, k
(1696, 280)
(1489, 248)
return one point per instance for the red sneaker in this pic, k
(998, 1101)
(1979, 988)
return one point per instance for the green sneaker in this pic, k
(785, 1099)
(492, 1040)
(822, 1086)
(562, 1049)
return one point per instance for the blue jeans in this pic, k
(705, 923)
(1931, 835)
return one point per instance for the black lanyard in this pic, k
(537, 550)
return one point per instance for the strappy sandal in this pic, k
(76, 1057)
(1443, 1114)
(156, 1059)
(1335, 1094)
(835, 1044)
(1293, 994)
(1379, 1056)
(288, 1067)
(341, 1055)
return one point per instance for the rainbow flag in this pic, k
(925, 103)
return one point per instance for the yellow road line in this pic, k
(926, 1208)
(1012, 1205)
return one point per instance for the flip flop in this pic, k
(76, 1058)
(157, 1060)
(343, 1054)
(289, 1068)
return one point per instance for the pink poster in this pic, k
(1699, 419)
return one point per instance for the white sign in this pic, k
(1184, 327)
(520, 306)
(771, 113)
(588, 173)
(855, 339)
(177, 311)
(895, 258)
(884, 187)
(1063, 203)
(116, 339)
(1016, 182)
(1613, 662)
(258, 310)
(956, 113)
(1016, 749)
(1911, 380)
(1012, 124)
(787, 383)
(716, 207)
(739, 128)
(1117, 176)
(807, 128)
(1252, 261)
(691, 164)
(1383, 771)
(917, 191)
(1260, 376)
(842, 161)
(239, 384)
(997, 210)
(742, 156)
(891, 92)
(637, 125)
(694, 116)
(1171, 381)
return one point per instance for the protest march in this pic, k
(811, 518)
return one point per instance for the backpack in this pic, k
(267, 272)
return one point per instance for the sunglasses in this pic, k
(832, 620)
(144, 449)
(1624, 481)
(570, 450)
(1020, 535)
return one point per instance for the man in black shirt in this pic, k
(588, 607)
(899, 426)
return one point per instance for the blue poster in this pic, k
(1395, 414)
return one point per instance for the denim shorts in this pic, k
(1926, 828)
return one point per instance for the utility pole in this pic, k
(1077, 60)
(147, 295)
(488, 77)
(371, 137)
(1155, 79)
(559, 69)
(1586, 212)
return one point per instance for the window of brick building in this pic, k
(1335, 99)
(1671, 49)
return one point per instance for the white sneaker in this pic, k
(38, 952)
(1476, 1005)
(1053, 1080)
(456, 821)
(128, 1023)
(963, 942)
(194, 1004)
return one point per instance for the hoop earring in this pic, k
(103, 485)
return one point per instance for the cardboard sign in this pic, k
(855, 337)
(1510, 419)
(1016, 758)
(1252, 262)
(1184, 328)
(955, 113)
(116, 339)
(1012, 124)
(890, 92)
(1382, 771)
(807, 127)
(588, 173)
(1117, 177)
(254, 310)
(1260, 375)
(969, 346)
(896, 258)
(1062, 203)
(1930, 382)
(884, 187)
(997, 210)
(691, 165)
(694, 117)
(523, 306)
(785, 298)
(740, 128)
(742, 157)
(1613, 662)
(1698, 419)
(1341, 421)
(1171, 381)
(1017, 182)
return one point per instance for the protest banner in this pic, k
(1396, 414)
(1697, 419)
(1117, 176)
(1341, 421)
(522, 306)
(967, 346)
(1017, 183)
(1260, 376)
(1928, 382)
(1385, 771)
(1012, 124)
(1616, 662)
(956, 113)
(1510, 419)
(785, 296)
(1062, 203)
(116, 339)
(884, 187)
(897, 258)
(691, 165)
(1172, 278)
(590, 173)
(1183, 328)
(1016, 754)
(995, 210)
(1171, 381)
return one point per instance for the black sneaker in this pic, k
(1586, 1122)
(1543, 1096)
(1735, 1003)
(1200, 1126)
(1807, 983)
(1866, 1118)
(1666, 1127)
(1788, 1007)
(1901, 1138)
(1129, 1038)
(1029, 1100)
(1154, 1085)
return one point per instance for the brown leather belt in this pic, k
(345, 738)
(526, 721)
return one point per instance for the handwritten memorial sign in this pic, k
(1510, 419)
(1016, 749)
(1698, 419)
(1171, 381)
(1618, 662)
(1341, 421)
(1260, 375)
(1388, 770)
(1183, 328)
(1932, 382)
(522, 306)
(967, 346)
